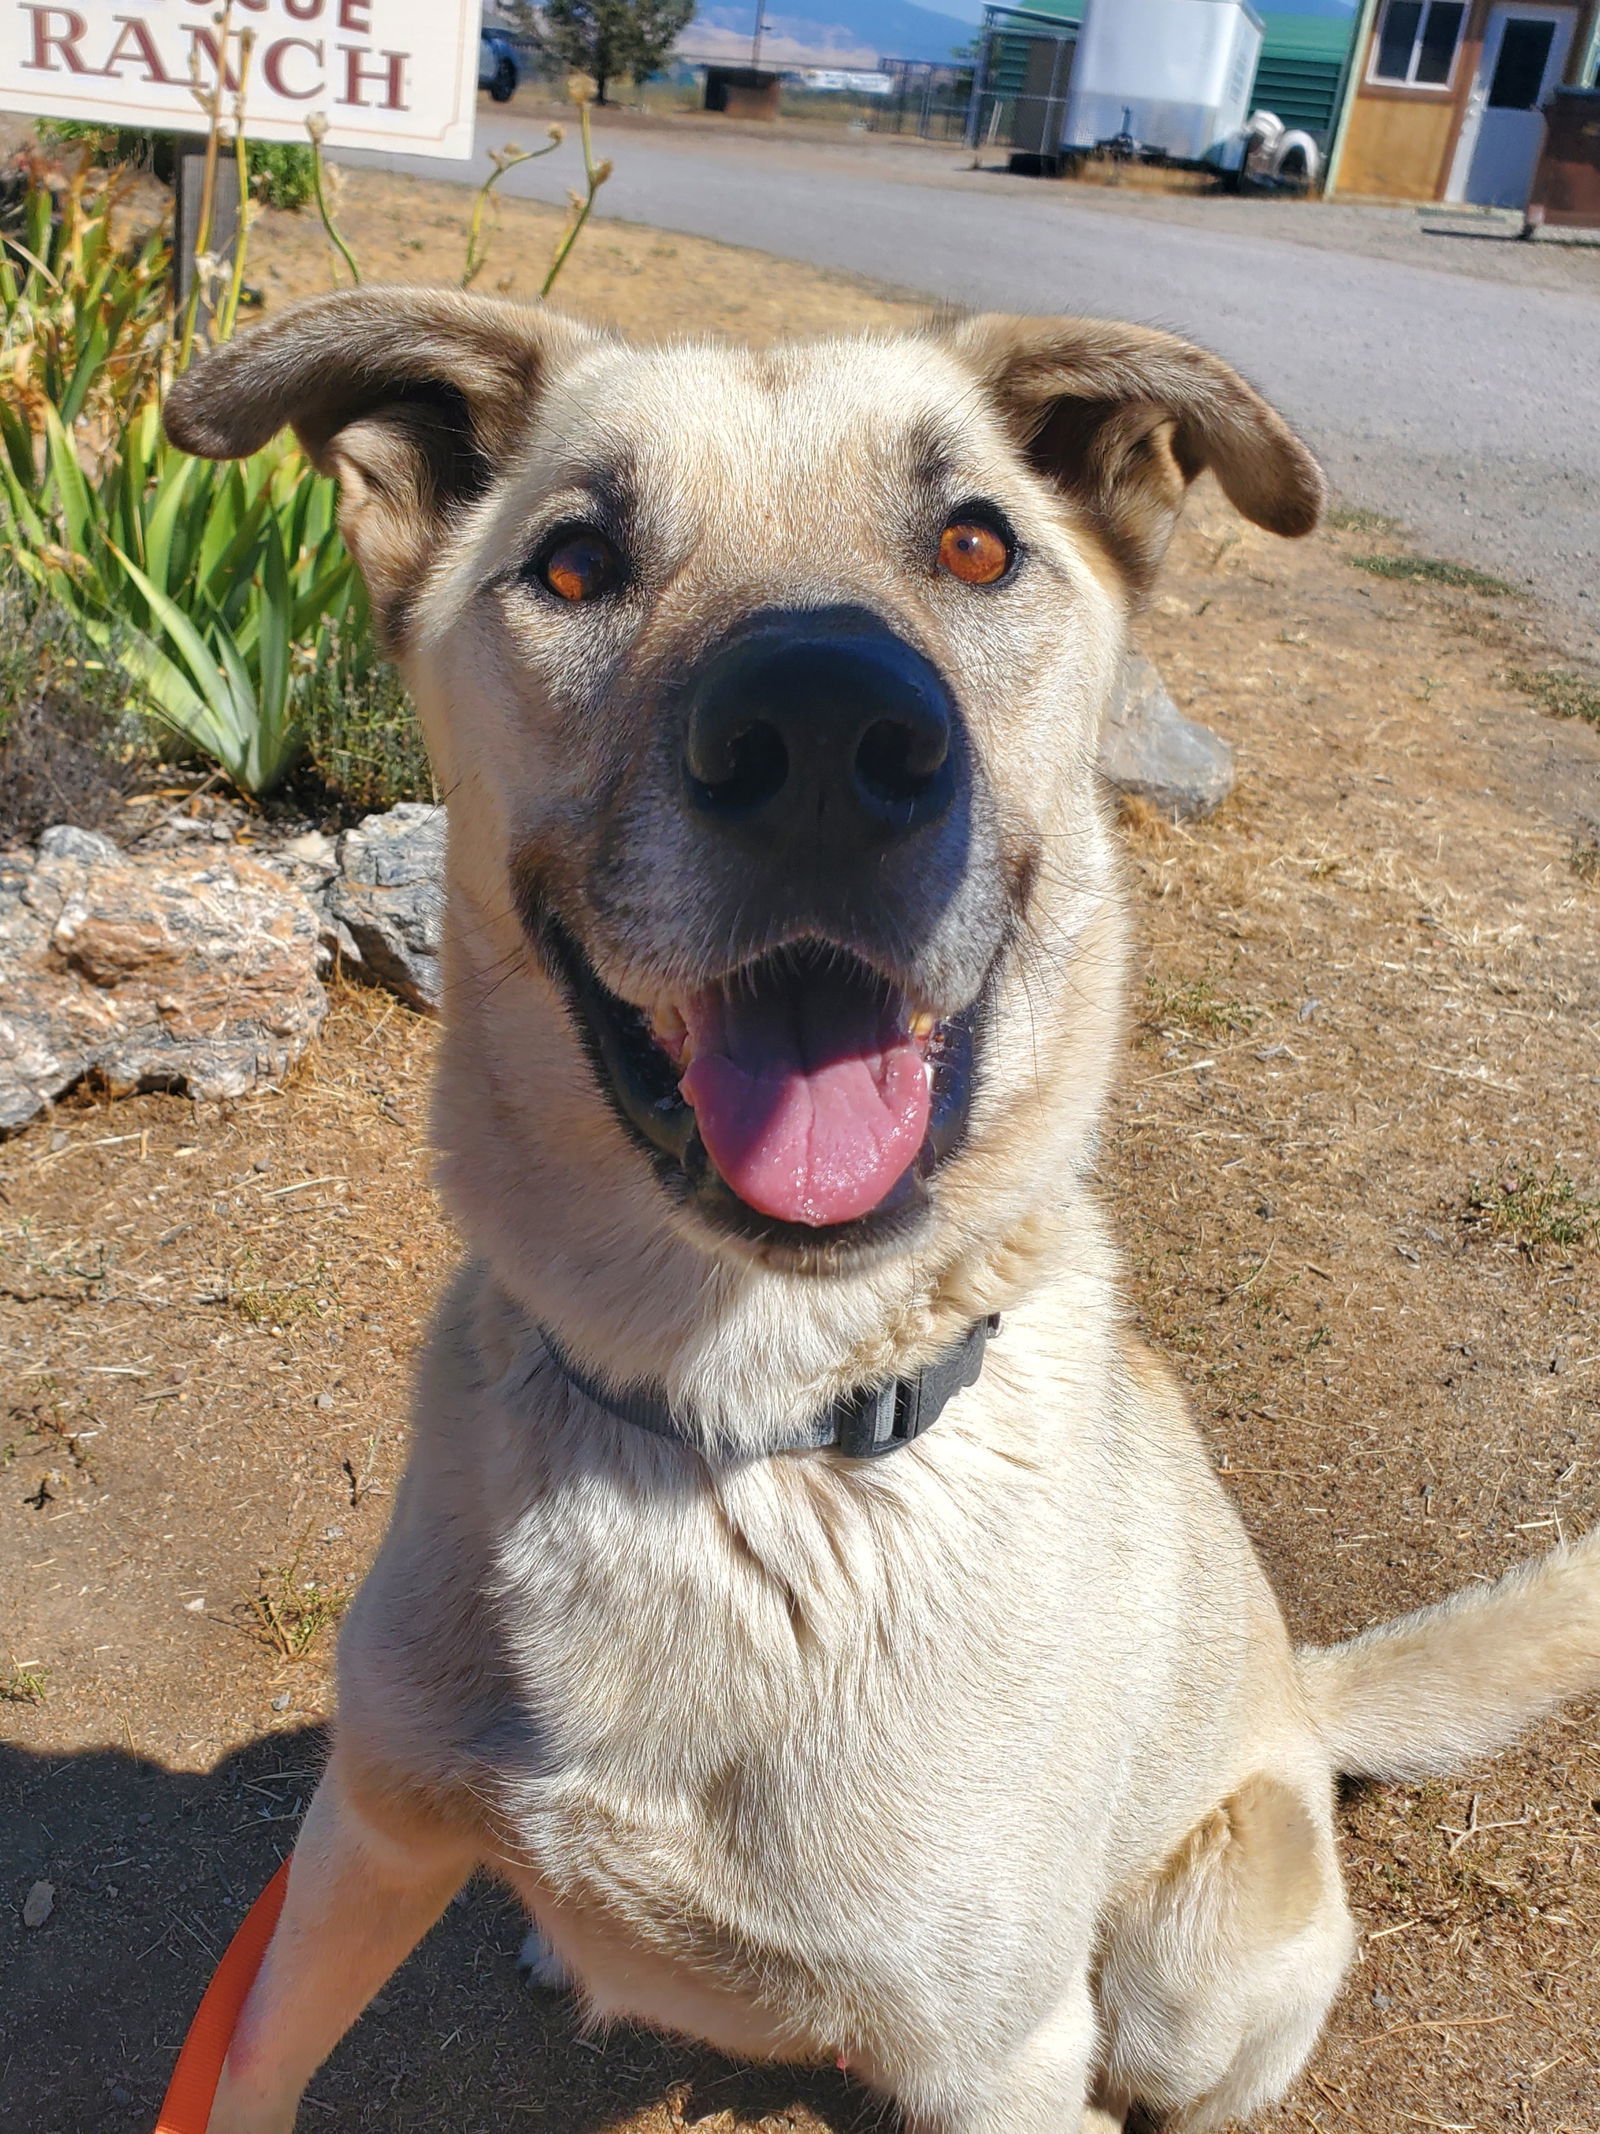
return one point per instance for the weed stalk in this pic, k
(502, 160)
(580, 92)
(317, 127)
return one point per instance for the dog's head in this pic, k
(764, 689)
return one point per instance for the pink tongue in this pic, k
(810, 1100)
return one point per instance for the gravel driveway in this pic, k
(1448, 375)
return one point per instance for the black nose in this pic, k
(822, 728)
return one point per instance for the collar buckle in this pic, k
(875, 1421)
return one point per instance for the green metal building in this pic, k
(1302, 66)
(1303, 59)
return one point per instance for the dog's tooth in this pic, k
(671, 1033)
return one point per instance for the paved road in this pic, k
(1453, 385)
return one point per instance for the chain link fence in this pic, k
(927, 98)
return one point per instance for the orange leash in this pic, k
(193, 2088)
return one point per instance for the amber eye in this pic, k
(579, 566)
(973, 552)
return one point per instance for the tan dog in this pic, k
(783, 958)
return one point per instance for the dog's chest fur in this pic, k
(770, 1736)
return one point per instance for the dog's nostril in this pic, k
(896, 760)
(738, 770)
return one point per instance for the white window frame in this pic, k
(1388, 81)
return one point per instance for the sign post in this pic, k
(394, 74)
(189, 213)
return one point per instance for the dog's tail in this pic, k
(1433, 1690)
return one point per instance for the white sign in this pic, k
(400, 74)
(857, 82)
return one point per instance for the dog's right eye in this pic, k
(579, 564)
(975, 551)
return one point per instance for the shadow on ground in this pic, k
(152, 1871)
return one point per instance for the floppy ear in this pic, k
(411, 397)
(1123, 418)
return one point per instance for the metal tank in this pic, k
(1167, 78)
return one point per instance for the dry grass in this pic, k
(1399, 1408)
(646, 282)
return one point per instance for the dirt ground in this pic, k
(619, 274)
(1365, 1004)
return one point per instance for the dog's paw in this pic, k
(540, 1965)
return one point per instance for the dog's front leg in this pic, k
(365, 1885)
(1041, 2086)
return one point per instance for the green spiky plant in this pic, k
(206, 584)
(221, 594)
(82, 318)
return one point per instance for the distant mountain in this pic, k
(856, 33)
(831, 33)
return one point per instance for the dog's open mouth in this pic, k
(809, 1082)
(800, 1095)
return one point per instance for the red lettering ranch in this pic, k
(400, 74)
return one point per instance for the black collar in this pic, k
(862, 1425)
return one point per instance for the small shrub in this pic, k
(69, 752)
(280, 171)
(204, 585)
(23, 1685)
(1536, 1214)
(1584, 858)
(363, 741)
(283, 173)
(1561, 692)
(1429, 570)
(109, 147)
(83, 319)
(291, 1613)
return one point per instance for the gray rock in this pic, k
(309, 864)
(64, 842)
(311, 849)
(388, 900)
(191, 971)
(1148, 747)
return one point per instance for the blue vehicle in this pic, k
(499, 69)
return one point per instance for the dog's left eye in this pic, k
(975, 552)
(579, 565)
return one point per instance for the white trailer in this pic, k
(1171, 77)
